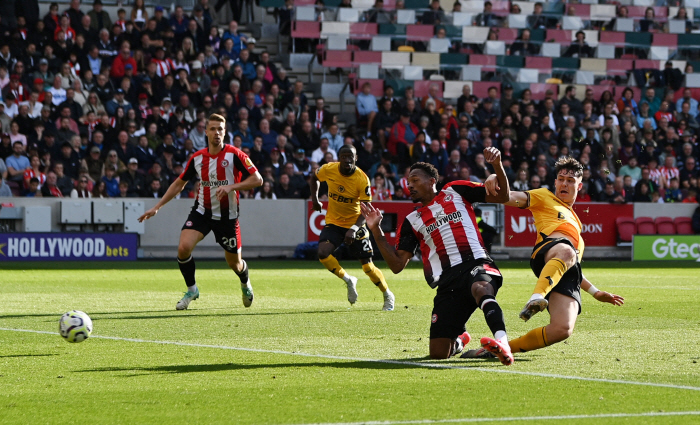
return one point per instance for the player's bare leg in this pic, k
(558, 260)
(325, 256)
(444, 348)
(563, 311)
(188, 240)
(498, 345)
(240, 267)
(377, 277)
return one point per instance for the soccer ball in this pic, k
(75, 326)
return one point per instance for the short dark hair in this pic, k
(570, 164)
(346, 147)
(428, 169)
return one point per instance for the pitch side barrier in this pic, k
(50, 229)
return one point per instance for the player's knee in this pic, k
(567, 255)
(559, 333)
(184, 251)
(439, 353)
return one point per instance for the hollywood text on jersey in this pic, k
(455, 217)
(216, 183)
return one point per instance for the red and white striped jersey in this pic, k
(445, 230)
(670, 173)
(229, 166)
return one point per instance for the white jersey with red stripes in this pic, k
(669, 173)
(446, 230)
(229, 166)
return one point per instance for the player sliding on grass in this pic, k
(556, 259)
(223, 171)
(454, 258)
(347, 187)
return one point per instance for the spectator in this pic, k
(402, 136)
(335, 139)
(367, 107)
(17, 163)
(436, 156)
(50, 189)
(5, 191)
(266, 191)
(34, 189)
(324, 148)
(81, 191)
(673, 192)
(579, 48)
(380, 190)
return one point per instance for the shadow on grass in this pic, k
(415, 363)
(140, 315)
(28, 355)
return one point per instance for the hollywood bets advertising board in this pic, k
(598, 220)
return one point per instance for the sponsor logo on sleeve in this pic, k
(249, 163)
(367, 191)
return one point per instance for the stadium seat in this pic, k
(453, 59)
(646, 64)
(602, 11)
(363, 31)
(526, 7)
(551, 50)
(380, 43)
(539, 91)
(617, 39)
(392, 29)
(395, 60)
(421, 88)
(419, 32)
(406, 17)
(620, 66)
(645, 226)
(439, 45)
(597, 66)
(684, 225)
(377, 86)
(624, 24)
(626, 228)
(337, 42)
(639, 40)
(416, 4)
(335, 28)
(526, 75)
(665, 226)
(517, 21)
(453, 89)
(346, 14)
(271, 3)
(662, 39)
(430, 61)
(558, 36)
(480, 89)
(305, 13)
(474, 35)
(605, 51)
(302, 29)
(360, 57)
(581, 10)
(412, 72)
(510, 61)
(659, 53)
(508, 35)
(537, 62)
(368, 70)
(409, 49)
(677, 26)
(487, 62)
(493, 47)
(574, 23)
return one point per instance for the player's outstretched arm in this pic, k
(397, 260)
(496, 191)
(602, 296)
(517, 199)
(252, 181)
(175, 188)
(314, 184)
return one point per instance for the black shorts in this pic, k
(360, 248)
(454, 304)
(570, 283)
(227, 232)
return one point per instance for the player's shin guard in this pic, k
(494, 316)
(550, 276)
(536, 338)
(243, 276)
(187, 269)
(333, 266)
(375, 275)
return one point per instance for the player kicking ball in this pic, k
(556, 259)
(223, 170)
(347, 187)
(455, 261)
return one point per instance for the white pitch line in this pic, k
(384, 361)
(516, 419)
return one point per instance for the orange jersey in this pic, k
(551, 215)
(344, 194)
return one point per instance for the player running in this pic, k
(454, 258)
(223, 171)
(347, 187)
(556, 259)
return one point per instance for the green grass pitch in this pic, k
(302, 355)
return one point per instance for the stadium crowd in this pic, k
(95, 105)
